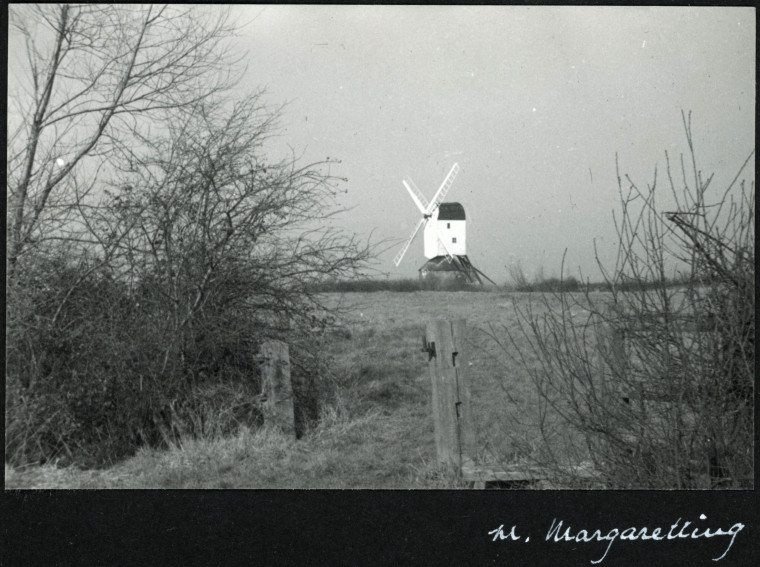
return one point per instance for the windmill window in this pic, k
(454, 240)
(448, 225)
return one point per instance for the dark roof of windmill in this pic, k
(450, 211)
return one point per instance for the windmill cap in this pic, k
(450, 211)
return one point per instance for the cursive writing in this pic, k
(559, 532)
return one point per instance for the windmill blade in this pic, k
(443, 189)
(417, 196)
(400, 255)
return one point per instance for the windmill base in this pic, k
(452, 268)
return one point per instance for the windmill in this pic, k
(443, 227)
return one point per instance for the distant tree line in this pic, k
(368, 285)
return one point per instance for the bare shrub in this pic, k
(153, 241)
(654, 384)
(519, 278)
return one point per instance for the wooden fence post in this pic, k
(617, 352)
(447, 363)
(276, 385)
(611, 362)
(455, 439)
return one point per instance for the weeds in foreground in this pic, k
(341, 452)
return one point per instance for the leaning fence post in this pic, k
(447, 363)
(276, 386)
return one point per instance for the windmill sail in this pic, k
(400, 255)
(426, 208)
(417, 196)
(443, 189)
(444, 244)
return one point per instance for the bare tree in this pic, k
(152, 242)
(213, 224)
(94, 77)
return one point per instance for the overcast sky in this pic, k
(532, 102)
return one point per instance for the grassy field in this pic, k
(378, 431)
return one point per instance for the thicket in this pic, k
(652, 386)
(153, 243)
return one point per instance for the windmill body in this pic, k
(444, 233)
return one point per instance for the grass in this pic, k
(378, 430)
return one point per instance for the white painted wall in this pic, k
(452, 232)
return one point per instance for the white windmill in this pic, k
(444, 233)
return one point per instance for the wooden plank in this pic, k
(480, 474)
(276, 385)
(465, 416)
(454, 432)
(484, 473)
(443, 379)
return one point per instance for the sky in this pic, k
(532, 102)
